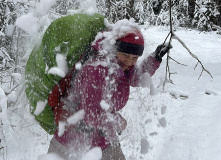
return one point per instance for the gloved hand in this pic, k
(161, 51)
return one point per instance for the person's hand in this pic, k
(161, 50)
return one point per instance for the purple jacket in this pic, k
(101, 90)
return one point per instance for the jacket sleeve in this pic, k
(92, 89)
(148, 65)
(60, 89)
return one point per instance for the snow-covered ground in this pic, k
(175, 127)
(180, 123)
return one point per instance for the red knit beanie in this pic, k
(132, 43)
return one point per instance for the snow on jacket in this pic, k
(100, 88)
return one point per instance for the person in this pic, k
(98, 89)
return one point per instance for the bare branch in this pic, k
(196, 65)
(174, 36)
(167, 72)
(5, 52)
(193, 55)
(177, 61)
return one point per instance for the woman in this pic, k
(99, 89)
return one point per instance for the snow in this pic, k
(88, 7)
(93, 154)
(117, 30)
(61, 128)
(40, 107)
(61, 68)
(28, 23)
(104, 105)
(12, 97)
(17, 77)
(56, 71)
(50, 156)
(3, 99)
(79, 115)
(180, 122)
(202, 10)
(43, 6)
(9, 30)
(2, 34)
(78, 66)
(144, 146)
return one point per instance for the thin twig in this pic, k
(167, 63)
(177, 61)
(166, 38)
(193, 55)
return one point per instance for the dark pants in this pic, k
(112, 152)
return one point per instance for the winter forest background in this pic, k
(23, 22)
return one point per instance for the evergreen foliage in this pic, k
(206, 15)
(199, 14)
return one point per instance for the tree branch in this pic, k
(174, 36)
(193, 55)
(177, 61)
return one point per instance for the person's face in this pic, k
(126, 60)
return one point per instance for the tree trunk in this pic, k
(218, 2)
(157, 5)
(191, 9)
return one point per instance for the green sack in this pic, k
(69, 35)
